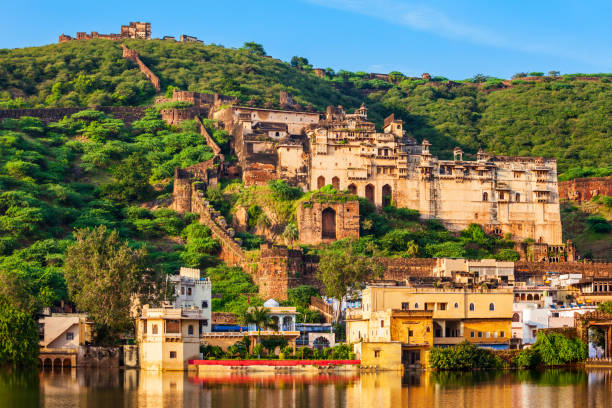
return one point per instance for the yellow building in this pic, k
(423, 317)
(168, 337)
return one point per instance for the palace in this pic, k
(506, 195)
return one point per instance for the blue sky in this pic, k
(456, 39)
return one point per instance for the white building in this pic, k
(471, 271)
(193, 291)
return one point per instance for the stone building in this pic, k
(139, 30)
(323, 222)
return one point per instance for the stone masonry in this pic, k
(583, 189)
(320, 222)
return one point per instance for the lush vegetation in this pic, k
(18, 336)
(589, 226)
(552, 349)
(267, 346)
(463, 357)
(556, 116)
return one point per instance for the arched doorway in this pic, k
(288, 323)
(386, 195)
(352, 189)
(320, 182)
(336, 183)
(320, 343)
(48, 363)
(57, 363)
(329, 223)
(67, 363)
(369, 193)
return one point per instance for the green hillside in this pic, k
(565, 117)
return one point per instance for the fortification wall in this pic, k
(583, 189)
(132, 55)
(525, 269)
(128, 114)
(400, 269)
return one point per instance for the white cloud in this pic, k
(421, 17)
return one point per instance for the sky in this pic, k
(452, 38)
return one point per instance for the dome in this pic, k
(271, 303)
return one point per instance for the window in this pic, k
(501, 195)
(410, 333)
(405, 306)
(534, 333)
(190, 330)
(485, 196)
(479, 334)
(154, 329)
(491, 306)
(456, 305)
(428, 329)
(69, 336)
(502, 334)
(416, 305)
(376, 353)
(518, 198)
(472, 334)
(173, 354)
(382, 323)
(471, 307)
(188, 291)
(488, 334)
(441, 306)
(144, 326)
(182, 290)
(204, 304)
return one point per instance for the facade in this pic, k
(506, 195)
(315, 335)
(475, 271)
(193, 291)
(168, 337)
(479, 316)
(321, 222)
(61, 335)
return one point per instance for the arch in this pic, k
(491, 306)
(529, 297)
(523, 296)
(275, 322)
(456, 305)
(369, 193)
(517, 297)
(471, 307)
(536, 297)
(320, 182)
(516, 317)
(518, 198)
(48, 362)
(336, 183)
(328, 221)
(287, 323)
(352, 189)
(386, 195)
(57, 363)
(67, 363)
(485, 196)
(321, 342)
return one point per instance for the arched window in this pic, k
(522, 296)
(536, 297)
(485, 196)
(352, 189)
(336, 183)
(320, 182)
(456, 305)
(518, 198)
(529, 297)
(471, 307)
(416, 305)
(328, 223)
(516, 317)
(386, 195)
(491, 306)
(369, 193)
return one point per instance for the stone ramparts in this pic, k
(583, 189)
(132, 55)
(127, 114)
(524, 269)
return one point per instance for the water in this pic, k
(132, 388)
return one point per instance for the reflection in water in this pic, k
(133, 388)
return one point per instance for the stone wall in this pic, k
(326, 222)
(583, 189)
(400, 269)
(127, 114)
(92, 356)
(132, 55)
(278, 270)
(524, 270)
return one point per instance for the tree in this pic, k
(103, 274)
(132, 180)
(478, 78)
(18, 336)
(342, 272)
(259, 316)
(554, 73)
(299, 62)
(254, 48)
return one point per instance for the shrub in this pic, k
(462, 357)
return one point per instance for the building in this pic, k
(188, 38)
(516, 196)
(61, 335)
(315, 335)
(169, 337)
(136, 30)
(467, 271)
(193, 291)
(320, 220)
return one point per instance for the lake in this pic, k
(133, 388)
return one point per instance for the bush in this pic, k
(462, 357)
(599, 224)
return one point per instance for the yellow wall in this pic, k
(155, 348)
(386, 356)
(418, 325)
(490, 326)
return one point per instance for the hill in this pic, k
(566, 117)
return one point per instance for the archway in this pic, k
(352, 189)
(320, 182)
(287, 323)
(369, 193)
(320, 343)
(57, 363)
(48, 363)
(529, 297)
(336, 183)
(67, 363)
(386, 195)
(328, 226)
(522, 296)
(516, 317)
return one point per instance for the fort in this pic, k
(138, 30)
(583, 189)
